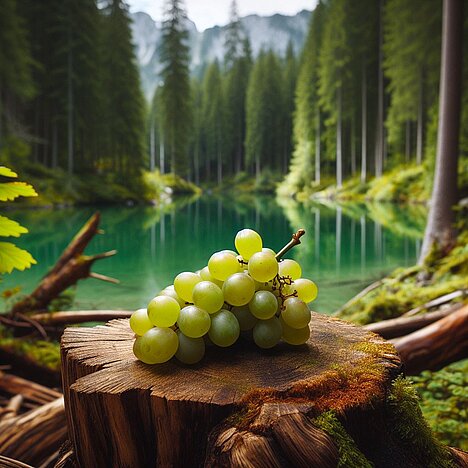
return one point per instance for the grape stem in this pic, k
(295, 240)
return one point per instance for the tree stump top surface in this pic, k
(102, 360)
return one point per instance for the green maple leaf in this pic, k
(13, 257)
(12, 190)
(8, 228)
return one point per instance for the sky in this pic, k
(208, 13)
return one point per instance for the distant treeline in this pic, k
(70, 93)
(361, 97)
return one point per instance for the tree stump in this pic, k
(241, 406)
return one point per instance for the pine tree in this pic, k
(213, 118)
(236, 81)
(125, 107)
(307, 113)
(412, 57)
(289, 85)
(334, 74)
(233, 41)
(264, 108)
(16, 83)
(176, 103)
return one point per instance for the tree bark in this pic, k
(240, 406)
(379, 144)
(364, 124)
(70, 268)
(436, 345)
(317, 148)
(339, 154)
(440, 229)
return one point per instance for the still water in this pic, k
(345, 247)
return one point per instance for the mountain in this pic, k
(267, 32)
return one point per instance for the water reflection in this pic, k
(346, 247)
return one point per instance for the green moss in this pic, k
(403, 289)
(409, 426)
(350, 455)
(43, 353)
(444, 402)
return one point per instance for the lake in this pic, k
(345, 247)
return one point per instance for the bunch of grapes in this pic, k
(248, 292)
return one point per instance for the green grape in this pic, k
(224, 329)
(290, 268)
(193, 321)
(191, 350)
(238, 289)
(267, 333)
(207, 276)
(295, 314)
(295, 336)
(263, 266)
(222, 265)
(163, 311)
(245, 318)
(263, 305)
(139, 322)
(208, 296)
(267, 249)
(184, 284)
(248, 242)
(229, 252)
(306, 289)
(156, 346)
(170, 291)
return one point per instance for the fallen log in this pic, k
(80, 316)
(30, 391)
(401, 326)
(435, 345)
(6, 462)
(71, 267)
(33, 436)
(436, 302)
(240, 406)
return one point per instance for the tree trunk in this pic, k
(379, 144)
(317, 148)
(419, 136)
(70, 101)
(364, 125)
(407, 141)
(152, 147)
(161, 155)
(339, 154)
(440, 229)
(240, 407)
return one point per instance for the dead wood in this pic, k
(401, 326)
(71, 267)
(435, 345)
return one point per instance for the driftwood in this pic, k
(435, 345)
(80, 316)
(436, 302)
(401, 326)
(72, 266)
(240, 403)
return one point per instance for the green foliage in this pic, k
(40, 352)
(412, 60)
(411, 427)
(444, 402)
(350, 455)
(175, 95)
(12, 257)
